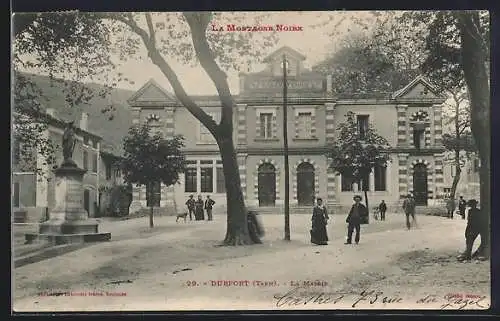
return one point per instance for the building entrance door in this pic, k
(420, 184)
(267, 185)
(305, 184)
(86, 201)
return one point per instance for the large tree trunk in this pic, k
(474, 61)
(458, 172)
(237, 228)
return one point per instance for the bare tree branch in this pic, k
(152, 35)
(158, 60)
(198, 23)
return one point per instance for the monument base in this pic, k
(55, 226)
(68, 221)
(58, 239)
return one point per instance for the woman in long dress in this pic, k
(319, 219)
(199, 212)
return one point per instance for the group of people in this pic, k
(450, 207)
(357, 216)
(476, 222)
(199, 206)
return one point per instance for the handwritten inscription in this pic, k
(305, 295)
(302, 296)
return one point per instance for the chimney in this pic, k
(51, 112)
(329, 84)
(242, 83)
(84, 121)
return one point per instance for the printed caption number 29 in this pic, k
(191, 283)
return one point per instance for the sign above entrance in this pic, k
(293, 84)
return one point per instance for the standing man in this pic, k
(450, 207)
(409, 209)
(190, 203)
(209, 203)
(462, 204)
(382, 207)
(356, 215)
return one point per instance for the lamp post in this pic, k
(285, 148)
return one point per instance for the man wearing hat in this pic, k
(475, 223)
(190, 203)
(357, 213)
(409, 208)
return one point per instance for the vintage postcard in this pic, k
(170, 161)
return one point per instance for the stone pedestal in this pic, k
(68, 221)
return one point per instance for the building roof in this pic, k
(285, 50)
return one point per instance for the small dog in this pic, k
(183, 215)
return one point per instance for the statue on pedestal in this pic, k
(68, 143)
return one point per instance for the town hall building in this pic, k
(410, 119)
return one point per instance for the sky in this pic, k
(314, 43)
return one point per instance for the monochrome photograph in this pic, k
(199, 161)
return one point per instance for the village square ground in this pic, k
(177, 266)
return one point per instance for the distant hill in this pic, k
(112, 131)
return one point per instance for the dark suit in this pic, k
(462, 204)
(476, 223)
(190, 203)
(209, 203)
(356, 215)
(382, 209)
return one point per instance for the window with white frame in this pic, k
(204, 176)
(380, 177)
(363, 124)
(221, 183)
(207, 176)
(304, 124)
(266, 125)
(190, 177)
(204, 134)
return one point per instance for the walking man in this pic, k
(209, 203)
(450, 207)
(190, 203)
(382, 208)
(409, 209)
(462, 204)
(356, 215)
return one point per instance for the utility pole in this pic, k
(285, 145)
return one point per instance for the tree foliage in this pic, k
(355, 155)
(68, 47)
(464, 142)
(365, 63)
(151, 157)
(442, 41)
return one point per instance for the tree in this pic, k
(363, 64)
(458, 54)
(150, 160)
(183, 37)
(165, 34)
(460, 142)
(357, 151)
(62, 44)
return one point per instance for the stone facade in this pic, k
(410, 119)
(35, 193)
